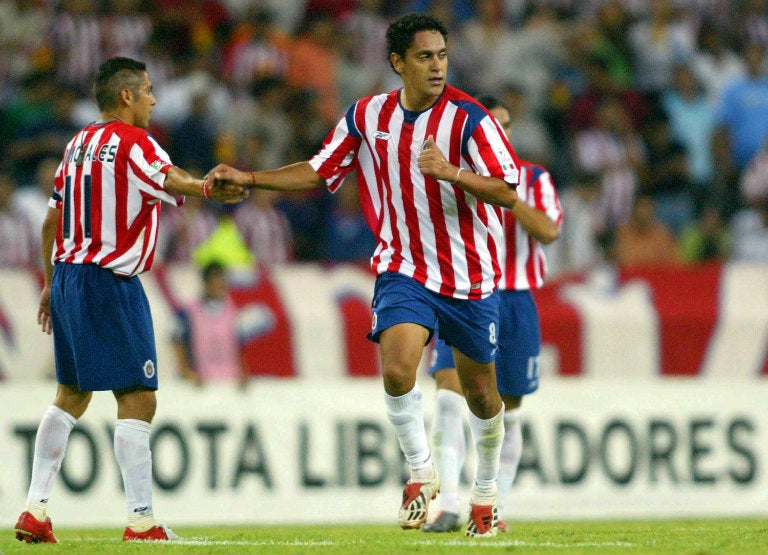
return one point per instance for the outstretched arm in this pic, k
(295, 177)
(180, 182)
(493, 190)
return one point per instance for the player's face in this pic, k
(143, 103)
(423, 70)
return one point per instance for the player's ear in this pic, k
(397, 62)
(126, 95)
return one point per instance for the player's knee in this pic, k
(71, 400)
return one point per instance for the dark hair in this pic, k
(490, 101)
(113, 76)
(401, 31)
(212, 269)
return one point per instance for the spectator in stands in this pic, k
(752, 21)
(643, 240)
(313, 64)
(486, 32)
(749, 226)
(714, 62)
(706, 239)
(578, 248)
(582, 112)
(609, 41)
(182, 231)
(19, 241)
(193, 139)
(127, 28)
(265, 228)
(32, 198)
(692, 122)
(615, 151)
(664, 175)
(722, 190)
(207, 341)
(257, 50)
(530, 139)
(659, 41)
(749, 232)
(743, 111)
(22, 48)
(347, 237)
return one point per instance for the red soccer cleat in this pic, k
(30, 530)
(483, 522)
(416, 498)
(157, 533)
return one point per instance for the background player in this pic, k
(430, 163)
(98, 235)
(534, 220)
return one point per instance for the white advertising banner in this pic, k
(302, 450)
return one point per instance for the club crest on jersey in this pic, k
(149, 369)
(383, 135)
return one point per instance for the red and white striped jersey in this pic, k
(428, 229)
(108, 187)
(524, 265)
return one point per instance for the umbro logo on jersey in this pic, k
(383, 135)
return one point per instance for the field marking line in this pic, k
(328, 543)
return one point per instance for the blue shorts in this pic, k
(517, 364)
(469, 325)
(103, 336)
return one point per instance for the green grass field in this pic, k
(669, 537)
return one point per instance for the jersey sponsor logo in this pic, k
(149, 369)
(383, 135)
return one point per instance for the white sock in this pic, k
(449, 445)
(488, 435)
(50, 446)
(406, 413)
(135, 460)
(511, 451)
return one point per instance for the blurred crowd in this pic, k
(651, 115)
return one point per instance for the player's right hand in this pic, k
(226, 184)
(227, 174)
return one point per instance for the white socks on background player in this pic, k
(135, 460)
(511, 451)
(50, 446)
(488, 435)
(449, 443)
(406, 413)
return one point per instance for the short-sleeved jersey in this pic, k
(428, 229)
(108, 187)
(524, 264)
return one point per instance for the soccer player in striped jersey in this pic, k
(98, 235)
(534, 220)
(433, 169)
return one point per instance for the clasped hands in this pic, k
(223, 187)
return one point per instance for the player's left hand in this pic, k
(433, 163)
